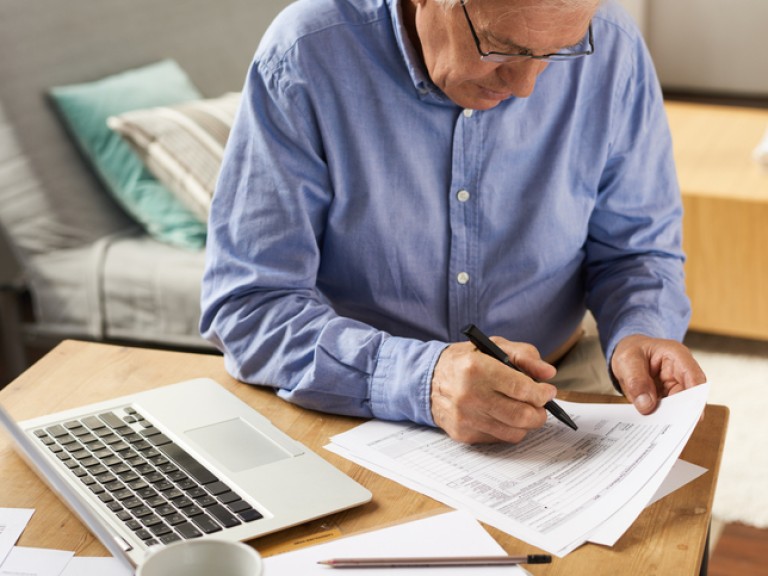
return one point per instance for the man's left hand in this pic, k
(651, 368)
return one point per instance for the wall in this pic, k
(707, 46)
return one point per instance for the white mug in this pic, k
(202, 557)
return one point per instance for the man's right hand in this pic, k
(475, 398)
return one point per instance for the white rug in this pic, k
(738, 373)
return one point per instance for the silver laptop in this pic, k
(189, 460)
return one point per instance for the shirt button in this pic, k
(468, 112)
(462, 195)
(462, 278)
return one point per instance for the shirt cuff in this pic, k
(402, 381)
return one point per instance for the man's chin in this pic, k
(486, 99)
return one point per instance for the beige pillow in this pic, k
(182, 145)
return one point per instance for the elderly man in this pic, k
(401, 168)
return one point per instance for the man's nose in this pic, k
(520, 77)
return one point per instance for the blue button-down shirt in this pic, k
(362, 218)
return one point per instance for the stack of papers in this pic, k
(558, 488)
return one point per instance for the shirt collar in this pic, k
(421, 81)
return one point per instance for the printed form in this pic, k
(554, 488)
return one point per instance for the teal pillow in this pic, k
(85, 109)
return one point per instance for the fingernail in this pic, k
(643, 402)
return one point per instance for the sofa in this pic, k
(74, 263)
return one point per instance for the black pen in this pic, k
(486, 346)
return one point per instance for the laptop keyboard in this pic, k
(141, 476)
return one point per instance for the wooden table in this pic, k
(725, 226)
(668, 538)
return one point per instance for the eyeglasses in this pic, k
(577, 51)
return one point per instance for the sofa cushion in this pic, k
(36, 222)
(182, 145)
(151, 292)
(85, 108)
(125, 287)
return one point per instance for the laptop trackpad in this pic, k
(237, 445)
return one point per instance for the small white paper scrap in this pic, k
(12, 524)
(35, 562)
(95, 566)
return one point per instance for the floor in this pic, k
(740, 550)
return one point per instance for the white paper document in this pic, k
(611, 530)
(556, 487)
(451, 534)
(35, 562)
(95, 566)
(12, 524)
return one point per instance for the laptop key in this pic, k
(206, 501)
(223, 515)
(188, 531)
(238, 505)
(159, 439)
(151, 520)
(188, 463)
(151, 431)
(196, 492)
(228, 497)
(57, 430)
(190, 511)
(165, 510)
(156, 501)
(206, 524)
(112, 420)
(250, 515)
(93, 422)
(187, 485)
(217, 488)
(123, 494)
(133, 524)
(160, 530)
(146, 492)
(169, 538)
(175, 519)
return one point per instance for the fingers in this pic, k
(630, 367)
(476, 398)
(526, 357)
(650, 368)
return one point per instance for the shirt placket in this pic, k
(464, 203)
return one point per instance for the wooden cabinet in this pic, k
(725, 225)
